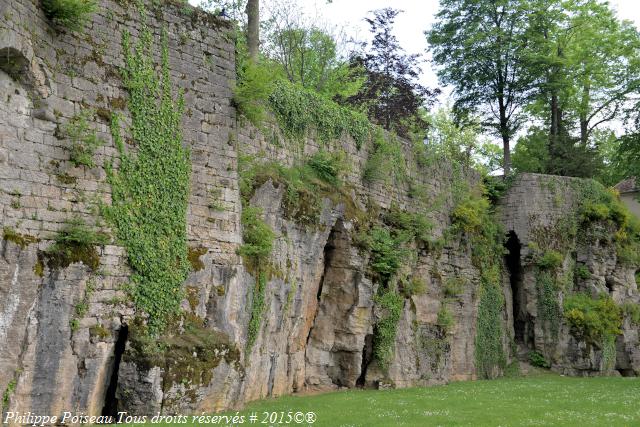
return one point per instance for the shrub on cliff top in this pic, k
(71, 14)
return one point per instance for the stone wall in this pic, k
(316, 332)
(47, 76)
(539, 212)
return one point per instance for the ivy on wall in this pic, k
(473, 218)
(151, 187)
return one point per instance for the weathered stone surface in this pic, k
(317, 329)
(536, 209)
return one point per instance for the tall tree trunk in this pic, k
(555, 126)
(504, 132)
(584, 122)
(253, 28)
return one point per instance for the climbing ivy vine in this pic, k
(473, 218)
(151, 186)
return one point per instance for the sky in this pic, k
(417, 16)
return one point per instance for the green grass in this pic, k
(540, 399)
(546, 400)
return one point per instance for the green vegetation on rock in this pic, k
(150, 189)
(595, 320)
(76, 242)
(84, 141)
(473, 219)
(390, 305)
(71, 14)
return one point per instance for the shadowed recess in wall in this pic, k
(111, 402)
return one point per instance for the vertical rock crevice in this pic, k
(110, 407)
(514, 266)
(336, 339)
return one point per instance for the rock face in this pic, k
(67, 332)
(540, 213)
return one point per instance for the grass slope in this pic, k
(545, 400)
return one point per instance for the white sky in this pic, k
(410, 25)
(418, 16)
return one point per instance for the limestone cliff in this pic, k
(71, 334)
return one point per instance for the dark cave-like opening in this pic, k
(110, 407)
(367, 355)
(514, 266)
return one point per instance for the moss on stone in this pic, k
(66, 179)
(38, 267)
(22, 240)
(193, 297)
(75, 243)
(99, 331)
(188, 352)
(193, 255)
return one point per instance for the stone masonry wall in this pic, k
(316, 331)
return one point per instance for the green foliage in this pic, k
(548, 301)
(299, 110)
(257, 310)
(454, 287)
(150, 190)
(582, 272)
(388, 253)
(595, 320)
(470, 215)
(480, 52)
(445, 320)
(538, 360)
(490, 357)
(473, 218)
(462, 143)
(531, 153)
(327, 167)
(76, 242)
(632, 311)
(414, 286)
(71, 14)
(84, 141)
(251, 94)
(309, 57)
(415, 224)
(305, 184)
(256, 235)
(188, 352)
(385, 328)
(550, 260)
(386, 160)
(6, 395)
(496, 187)
(22, 240)
(601, 205)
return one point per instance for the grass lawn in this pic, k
(542, 400)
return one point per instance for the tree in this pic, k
(310, 53)
(390, 94)
(479, 47)
(581, 58)
(253, 28)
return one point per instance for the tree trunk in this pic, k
(584, 122)
(253, 28)
(504, 132)
(555, 125)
